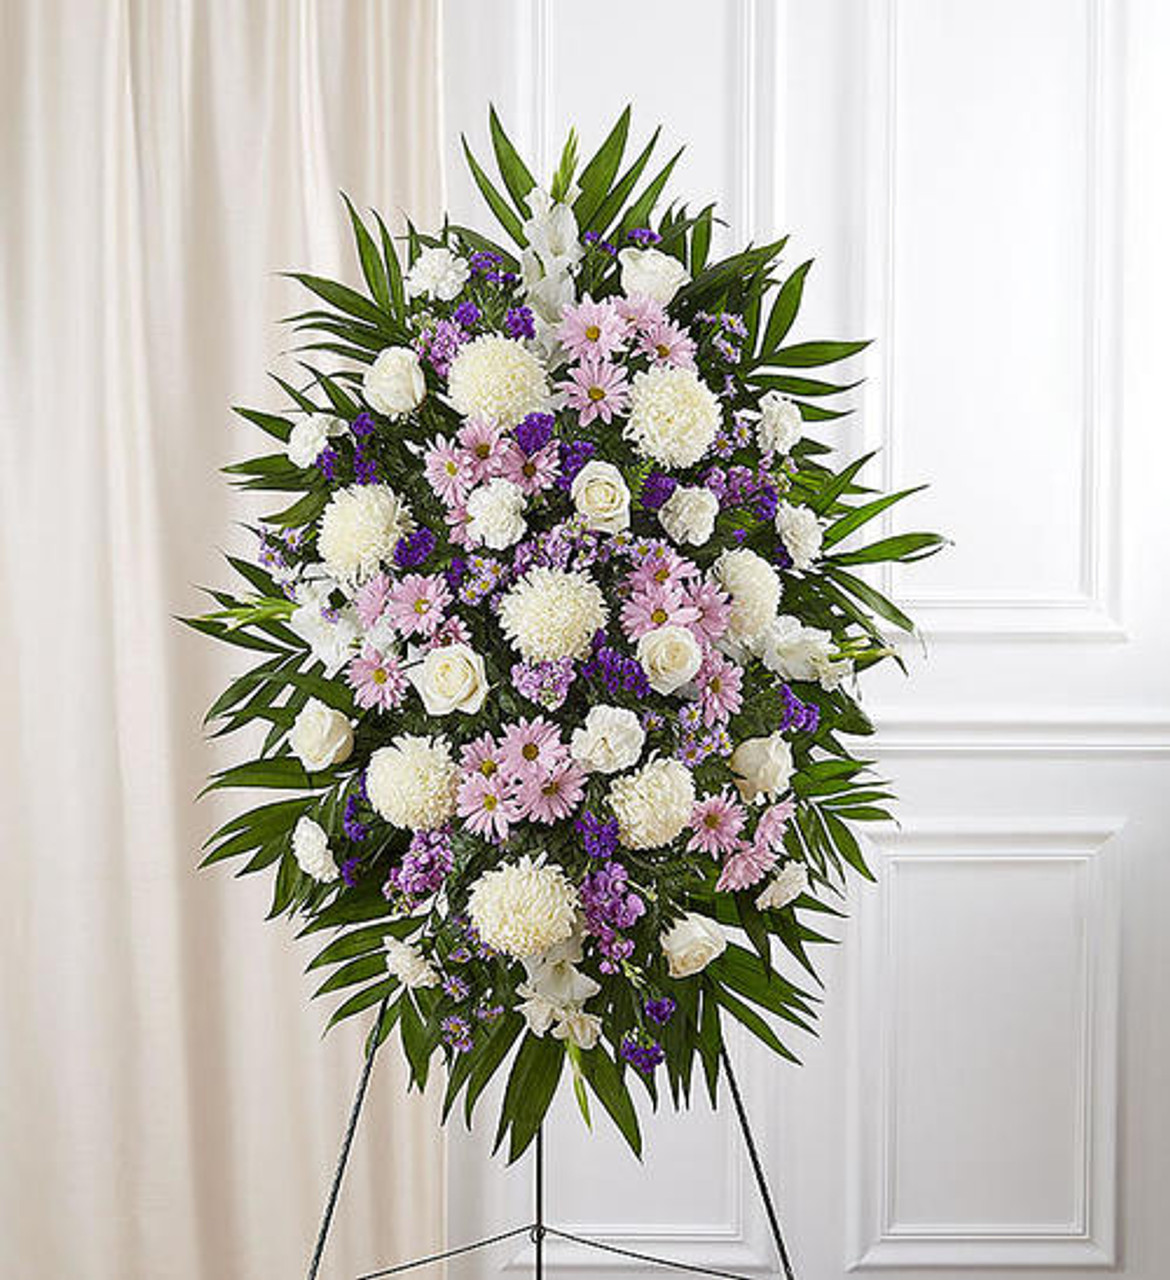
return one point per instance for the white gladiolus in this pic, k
(785, 887)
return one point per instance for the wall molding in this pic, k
(1092, 611)
(876, 1239)
(956, 731)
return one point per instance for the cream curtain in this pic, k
(167, 1105)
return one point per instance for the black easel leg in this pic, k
(538, 1228)
(757, 1165)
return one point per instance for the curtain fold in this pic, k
(168, 1107)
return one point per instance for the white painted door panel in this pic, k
(985, 188)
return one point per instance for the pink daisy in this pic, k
(532, 749)
(660, 565)
(451, 631)
(641, 312)
(773, 823)
(591, 329)
(666, 343)
(417, 602)
(656, 606)
(482, 756)
(532, 472)
(745, 867)
(371, 600)
(717, 822)
(720, 684)
(597, 389)
(457, 521)
(553, 796)
(376, 679)
(447, 470)
(486, 806)
(714, 609)
(483, 449)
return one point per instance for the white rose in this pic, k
(652, 273)
(610, 740)
(394, 383)
(780, 423)
(785, 887)
(601, 495)
(762, 767)
(407, 963)
(310, 436)
(496, 514)
(670, 656)
(321, 736)
(450, 678)
(801, 533)
(691, 944)
(310, 846)
(688, 515)
(439, 273)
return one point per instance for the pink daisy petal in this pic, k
(666, 343)
(717, 821)
(416, 603)
(371, 600)
(714, 607)
(447, 470)
(656, 606)
(592, 329)
(747, 866)
(532, 472)
(532, 749)
(720, 684)
(553, 797)
(486, 806)
(597, 389)
(376, 679)
(483, 447)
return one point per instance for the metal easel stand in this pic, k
(538, 1230)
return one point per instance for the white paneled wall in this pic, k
(984, 187)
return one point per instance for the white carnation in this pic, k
(523, 908)
(552, 613)
(321, 736)
(394, 384)
(437, 273)
(653, 805)
(688, 515)
(497, 380)
(310, 436)
(801, 533)
(785, 887)
(411, 783)
(310, 846)
(496, 514)
(602, 497)
(651, 273)
(407, 963)
(673, 416)
(359, 530)
(762, 767)
(670, 656)
(780, 423)
(610, 740)
(754, 588)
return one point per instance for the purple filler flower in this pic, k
(643, 1056)
(410, 551)
(535, 432)
(466, 314)
(520, 323)
(656, 488)
(660, 1011)
(600, 838)
(424, 866)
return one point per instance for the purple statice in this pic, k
(455, 987)
(534, 432)
(455, 572)
(617, 671)
(486, 264)
(466, 314)
(741, 484)
(599, 838)
(805, 717)
(591, 237)
(327, 461)
(606, 247)
(545, 683)
(365, 466)
(645, 1056)
(715, 479)
(574, 455)
(739, 536)
(781, 557)
(424, 866)
(765, 502)
(661, 1010)
(456, 1033)
(354, 828)
(412, 549)
(349, 871)
(644, 236)
(611, 906)
(656, 488)
(438, 346)
(362, 426)
(520, 323)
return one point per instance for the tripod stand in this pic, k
(538, 1230)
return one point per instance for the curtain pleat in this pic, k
(168, 1107)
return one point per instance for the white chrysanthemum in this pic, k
(754, 588)
(552, 613)
(801, 533)
(496, 514)
(653, 805)
(310, 846)
(407, 963)
(523, 908)
(673, 416)
(497, 380)
(411, 783)
(359, 528)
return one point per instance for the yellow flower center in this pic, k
(490, 802)
(663, 350)
(596, 393)
(658, 616)
(379, 675)
(711, 821)
(421, 606)
(593, 332)
(482, 450)
(488, 768)
(530, 751)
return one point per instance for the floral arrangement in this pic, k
(557, 643)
